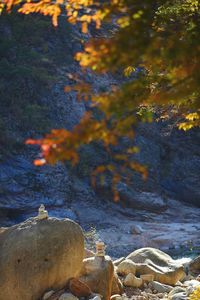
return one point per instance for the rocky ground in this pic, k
(44, 258)
(149, 220)
(173, 231)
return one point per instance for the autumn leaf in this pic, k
(84, 27)
(39, 162)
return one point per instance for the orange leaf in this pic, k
(39, 162)
(32, 142)
(67, 89)
(84, 27)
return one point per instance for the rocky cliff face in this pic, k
(173, 156)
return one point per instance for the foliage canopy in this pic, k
(158, 39)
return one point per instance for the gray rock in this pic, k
(136, 229)
(144, 200)
(160, 287)
(179, 296)
(178, 293)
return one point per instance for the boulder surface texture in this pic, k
(38, 255)
(132, 281)
(117, 286)
(161, 265)
(194, 265)
(126, 267)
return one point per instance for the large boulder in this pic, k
(38, 255)
(97, 273)
(161, 265)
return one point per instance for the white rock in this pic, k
(193, 283)
(42, 213)
(93, 295)
(177, 293)
(126, 267)
(179, 296)
(116, 297)
(68, 296)
(97, 297)
(133, 281)
(47, 295)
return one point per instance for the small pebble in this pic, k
(116, 297)
(47, 295)
(97, 297)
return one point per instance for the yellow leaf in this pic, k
(128, 71)
(193, 116)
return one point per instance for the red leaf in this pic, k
(32, 142)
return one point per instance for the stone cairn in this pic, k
(42, 213)
(100, 249)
